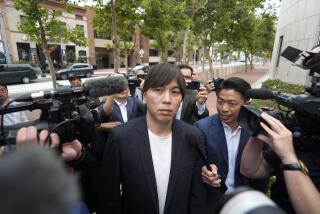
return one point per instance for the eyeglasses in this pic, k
(2, 89)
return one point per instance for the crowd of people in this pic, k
(143, 162)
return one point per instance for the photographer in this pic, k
(193, 106)
(283, 162)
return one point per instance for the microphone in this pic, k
(194, 142)
(93, 88)
(105, 86)
(259, 94)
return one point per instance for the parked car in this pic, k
(76, 70)
(145, 68)
(17, 73)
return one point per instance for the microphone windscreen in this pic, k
(105, 86)
(259, 94)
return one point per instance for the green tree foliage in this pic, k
(41, 25)
(127, 17)
(162, 19)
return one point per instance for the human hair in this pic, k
(162, 74)
(34, 180)
(185, 66)
(4, 85)
(235, 83)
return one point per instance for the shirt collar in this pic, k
(120, 104)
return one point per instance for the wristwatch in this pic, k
(300, 166)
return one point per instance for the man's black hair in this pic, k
(185, 66)
(4, 85)
(162, 74)
(235, 83)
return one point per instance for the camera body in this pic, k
(193, 85)
(302, 116)
(68, 112)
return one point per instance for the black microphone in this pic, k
(194, 142)
(259, 94)
(105, 86)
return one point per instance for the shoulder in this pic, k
(207, 121)
(185, 127)
(129, 126)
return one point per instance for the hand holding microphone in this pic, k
(209, 172)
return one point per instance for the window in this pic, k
(81, 27)
(101, 36)
(153, 52)
(279, 50)
(79, 17)
(82, 53)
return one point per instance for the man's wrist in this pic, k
(289, 159)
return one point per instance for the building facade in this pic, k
(299, 27)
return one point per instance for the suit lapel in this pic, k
(146, 160)
(129, 108)
(219, 136)
(243, 141)
(177, 141)
(118, 113)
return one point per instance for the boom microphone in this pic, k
(259, 94)
(194, 142)
(93, 88)
(105, 86)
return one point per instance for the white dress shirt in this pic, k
(123, 109)
(233, 139)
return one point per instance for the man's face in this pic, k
(229, 103)
(163, 102)
(187, 74)
(3, 94)
(75, 83)
(123, 95)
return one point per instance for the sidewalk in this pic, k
(253, 77)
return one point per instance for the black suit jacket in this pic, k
(128, 161)
(189, 110)
(217, 153)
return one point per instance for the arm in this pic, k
(110, 201)
(108, 105)
(253, 165)
(198, 193)
(303, 194)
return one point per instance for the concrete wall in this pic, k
(299, 25)
(220, 72)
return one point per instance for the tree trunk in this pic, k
(126, 59)
(164, 55)
(136, 41)
(115, 41)
(246, 58)
(251, 62)
(184, 48)
(50, 64)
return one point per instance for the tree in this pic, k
(41, 25)
(125, 25)
(162, 19)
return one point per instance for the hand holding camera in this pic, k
(278, 137)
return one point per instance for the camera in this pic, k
(66, 111)
(302, 112)
(193, 85)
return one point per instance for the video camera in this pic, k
(66, 110)
(302, 113)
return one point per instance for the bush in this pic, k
(277, 85)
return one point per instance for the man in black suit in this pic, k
(192, 107)
(158, 171)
